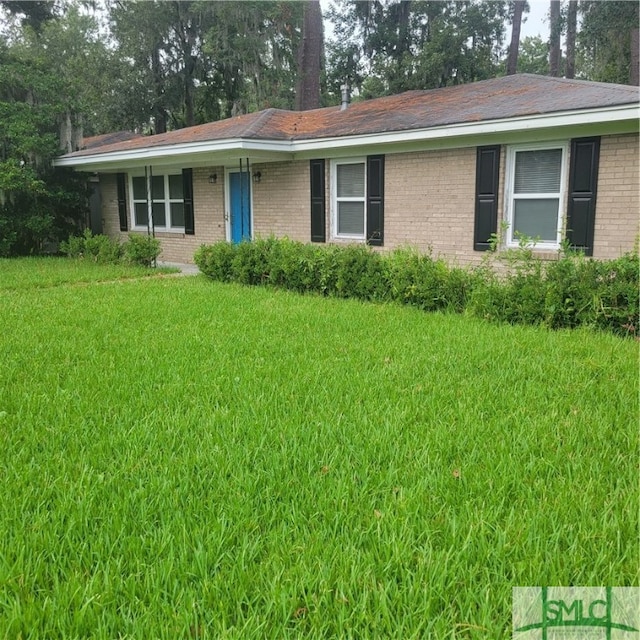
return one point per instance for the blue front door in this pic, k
(240, 206)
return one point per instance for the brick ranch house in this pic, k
(438, 169)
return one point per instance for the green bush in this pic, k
(74, 246)
(216, 260)
(99, 248)
(416, 279)
(568, 292)
(250, 262)
(141, 250)
(361, 273)
(103, 249)
(295, 266)
(602, 294)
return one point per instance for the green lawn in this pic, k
(38, 273)
(181, 458)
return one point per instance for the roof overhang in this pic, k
(618, 119)
(206, 153)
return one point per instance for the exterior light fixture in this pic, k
(213, 178)
(257, 176)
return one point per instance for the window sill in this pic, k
(163, 232)
(347, 239)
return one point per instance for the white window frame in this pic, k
(168, 201)
(511, 197)
(334, 199)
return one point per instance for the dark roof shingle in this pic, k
(497, 99)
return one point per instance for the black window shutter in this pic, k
(583, 183)
(316, 172)
(375, 200)
(486, 210)
(121, 179)
(187, 194)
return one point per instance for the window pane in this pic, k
(175, 187)
(141, 214)
(538, 171)
(159, 215)
(157, 187)
(536, 218)
(177, 214)
(351, 218)
(350, 179)
(139, 190)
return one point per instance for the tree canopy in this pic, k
(71, 68)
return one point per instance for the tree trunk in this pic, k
(309, 58)
(516, 23)
(159, 114)
(186, 34)
(555, 29)
(572, 16)
(634, 67)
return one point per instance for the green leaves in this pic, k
(569, 292)
(415, 45)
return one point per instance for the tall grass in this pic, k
(181, 458)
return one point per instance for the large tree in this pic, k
(519, 7)
(388, 47)
(606, 42)
(555, 33)
(310, 57)
(47, 84)
(534, 56)
(572, 24)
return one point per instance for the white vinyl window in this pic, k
(168, 202)
(535, 194)
(348, 198)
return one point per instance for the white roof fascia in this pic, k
(139, 156)
(506, 125)
(143, 155)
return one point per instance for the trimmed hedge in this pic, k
(571, 291)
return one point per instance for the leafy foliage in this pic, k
(137, 250)
(384, 48)
(141, 250)
(604, 41)
(568, 292)
(46, 84)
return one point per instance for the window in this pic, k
(349, 198)
(535, 194)
(168, 202)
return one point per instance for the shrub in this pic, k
(103, 249)
(74, 246)
(294, 265)
(99, 248)
(416, 279)
(216, 260)
(141, 250)
(569, 292)
(361, 273)
(250, 262)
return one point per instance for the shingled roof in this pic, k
(92, 142)
(497, 99)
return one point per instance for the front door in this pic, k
(239, 206)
